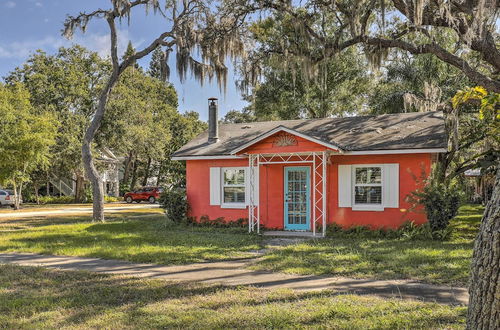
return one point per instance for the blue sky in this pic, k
(28, 25)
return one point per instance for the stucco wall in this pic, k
(271, 191)
(198, 192)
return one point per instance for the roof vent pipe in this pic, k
(213, 120)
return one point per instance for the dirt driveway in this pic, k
(69, 210)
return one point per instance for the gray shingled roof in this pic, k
(418, 130)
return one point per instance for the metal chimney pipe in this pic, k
(213, 120)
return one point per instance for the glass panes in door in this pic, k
(297, 198)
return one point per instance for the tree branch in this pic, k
(442, 54)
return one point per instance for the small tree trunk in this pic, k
(37, 197)
(79, 187)
(15, 195)
(484, 289)
(128, 163)
(133, 182)
(158, 178)
(146, 172)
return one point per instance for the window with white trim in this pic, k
(367, 185)
(233, 186)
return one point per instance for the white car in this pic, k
(7, 198)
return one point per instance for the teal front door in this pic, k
(297, 198)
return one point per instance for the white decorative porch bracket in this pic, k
(320, 161)
(253, 205)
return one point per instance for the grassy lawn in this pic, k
(429, 261)
(40, 298)
(136, 235)
(141, 236)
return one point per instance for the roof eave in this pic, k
(347, 153)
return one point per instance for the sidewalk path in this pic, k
(73, 210)
(235, 273)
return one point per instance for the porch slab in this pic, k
(284, 233)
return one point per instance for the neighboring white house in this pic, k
(111, 176)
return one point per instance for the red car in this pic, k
(150, 194)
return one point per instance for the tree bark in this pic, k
(17, 195)
(146, 172)
(79, 187)
(37, 197)
(88, 161)
(133, 182)
(484, 289)
(128, 163)
(158, 178)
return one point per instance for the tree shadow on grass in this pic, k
(138, 241)
(428, 261)
(83, 298)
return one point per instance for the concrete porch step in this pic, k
(284, 233)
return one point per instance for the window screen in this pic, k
(234, 186)
(368, 185)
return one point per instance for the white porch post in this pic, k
(253, 207)
(319, 160)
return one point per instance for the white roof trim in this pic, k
(208, 157)
(285, 129)
(395, 151)
(347, 153)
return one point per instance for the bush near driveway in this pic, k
(39, 298)
(175, 203)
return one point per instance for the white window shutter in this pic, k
(215, 186)
(345, 182)
(391, 185)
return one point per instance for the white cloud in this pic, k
(92, 41)
(10, 4)
(38, 4)
(22, 49)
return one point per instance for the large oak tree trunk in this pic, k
(484, 289)
(88, 161)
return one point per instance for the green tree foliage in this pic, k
(175, 203)
(158, 67)
(285, 90)
(65, 84)
(26, 136)
(130, 51)
(138, 122)
(184, 127)
(440, 201)
(236, 117)
(414, 83)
